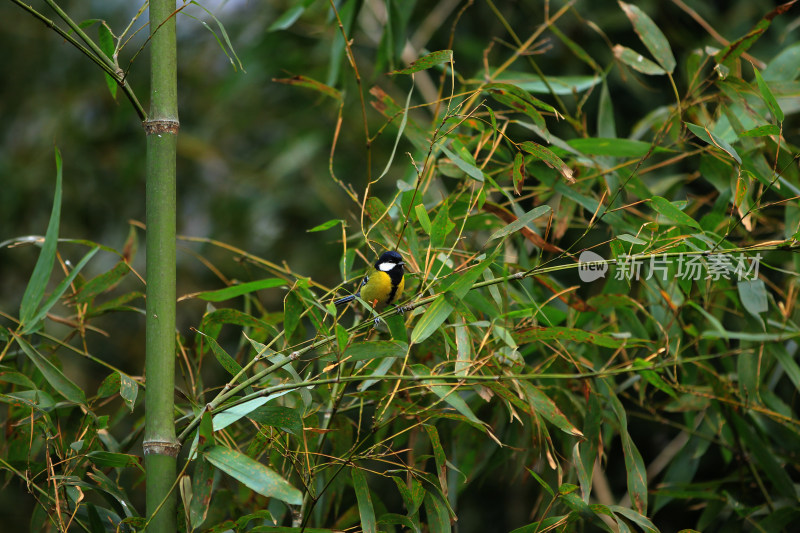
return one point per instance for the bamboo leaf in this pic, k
(664, 207)
(233, 291)
(278, 416)
(541, 404)
(637, 61)
(422, 217)
(559, 84)
(768, 97)
(438, 516)
(549, 158)
(326, 225)
(710, 138)
(650, 34)
(518, 172)
(57, 292)
(34, 292)
(426, 62)
(447, 393)
(102, 283)
(114, 460)
(309, 83)
(536, 334)
(467, 167)
(290, 16)
(61, 383)
(253, 474)
(613, 147)
(438, 455)
(433, 317)
(364, 499)
(202, 483)
(106, 42)
(375, 350)
(521, 222)
(753, 294)
(726, 57)
(232, 414)
(762, 131)
(128, 390)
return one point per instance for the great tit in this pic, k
(383, 283)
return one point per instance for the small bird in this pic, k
(383, 283)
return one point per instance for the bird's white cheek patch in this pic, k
(386, 267)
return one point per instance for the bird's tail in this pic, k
(342, 301)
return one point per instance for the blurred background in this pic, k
(253, 167)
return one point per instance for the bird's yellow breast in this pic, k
(379, 291)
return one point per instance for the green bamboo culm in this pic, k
(160, 444)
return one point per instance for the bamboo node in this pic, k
(157, 127)
(161, 447)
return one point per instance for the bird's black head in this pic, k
(390, 261)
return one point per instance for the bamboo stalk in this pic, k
(160, 444)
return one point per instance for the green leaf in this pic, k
(58, 292)
(541, 404)
(226, 361)
(326, 225)
(115, 460)
(441, 226)
(225, 47)
(521, 222)
(438, 517)
(202, 483)
(753, 294)
(427, 61)
(761, 131)
(293, 308)
(375, 350)
(549, 158)
(518, 172)
(768, 97)
(613, 147)
(438, 455)
(61, 383)
(230, 415)
(753, 337)
(233, 291)
(34, 292)
(461, 282)
(565, 334)
(309, 83)
(651, 36)
(764, 457)
(278, 416)
(642, 368)
(253, 474)
(106, 42)
(559, 84)
(447, 393)
(413, 496)
(290, 16)
(422, 216)
(634, 464)
(128, 390)
(365, 510)
(434, 316)
(666, 208)
(726, 57)
(468, 168)
(102, 283)
(637, 61)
